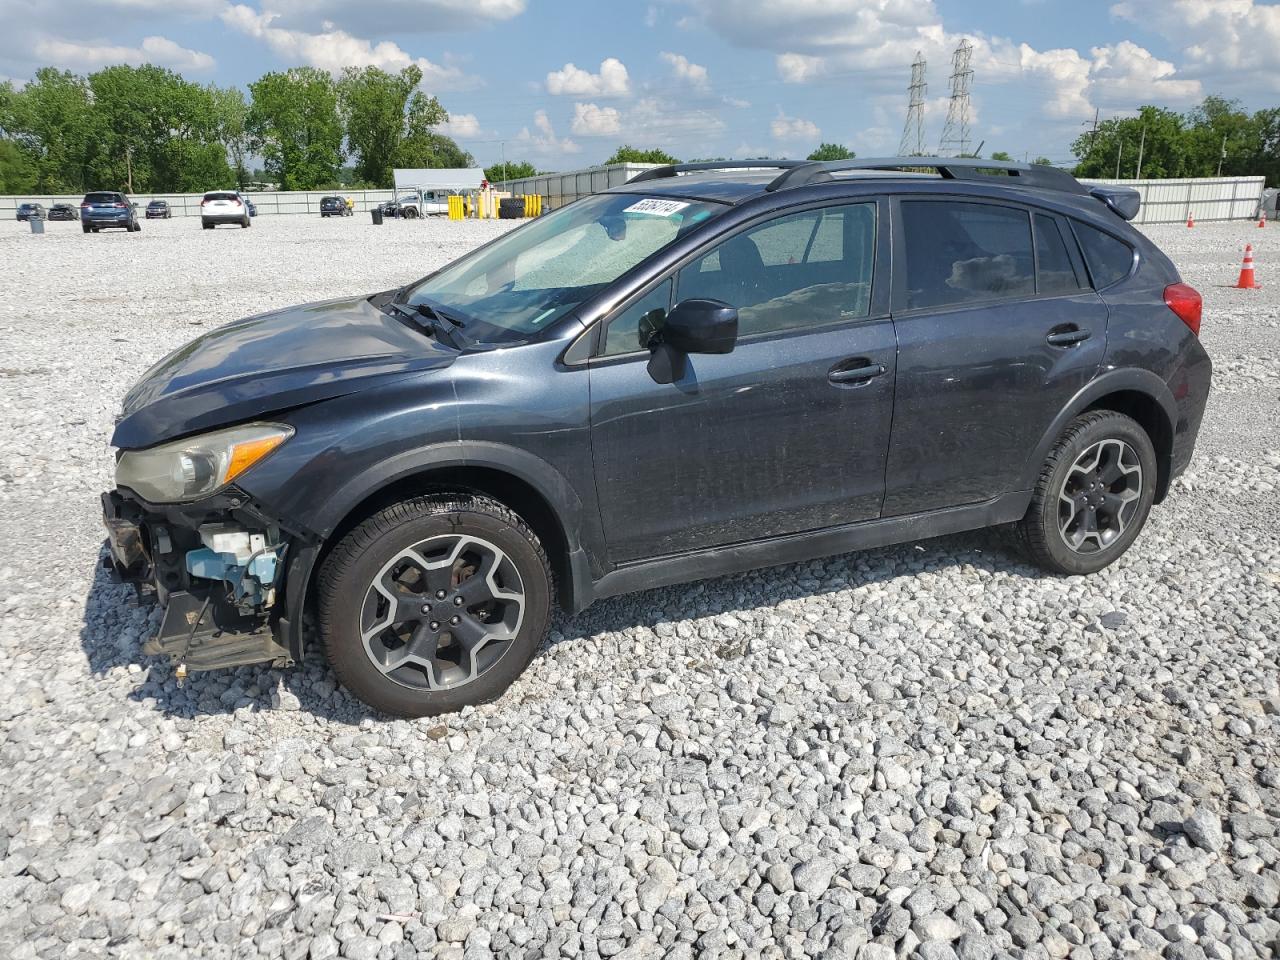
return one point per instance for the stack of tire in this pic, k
(511, 208)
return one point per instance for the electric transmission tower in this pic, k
(913, 130)
(955, 132)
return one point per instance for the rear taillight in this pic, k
(1184, 300)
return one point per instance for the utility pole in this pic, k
(503, 145)
(1222, 156)
(955, 132)
(913, 130)
(1141, 144)
(128, 167)
(1119, 154)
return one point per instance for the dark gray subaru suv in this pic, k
(712, 368)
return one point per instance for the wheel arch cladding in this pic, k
(539, 495)
(1138, 394)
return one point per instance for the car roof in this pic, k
(739, 181)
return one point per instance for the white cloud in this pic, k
(1230, 43)
(460, 125)
(157, 50)
(590, 120)
(799, 67)
(793, 128)
(875, 40)
(333, 49)
(543, 139)
(571, 80)
(693, 73)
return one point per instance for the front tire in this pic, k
(1094, 494)
(434, 604)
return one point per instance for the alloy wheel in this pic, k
(442, 612)
(1100, 496)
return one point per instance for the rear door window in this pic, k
(964, 252)
(1055, 272)
(102, 198)
(1109, 260)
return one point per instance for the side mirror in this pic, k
(692, 326)
(701, 326)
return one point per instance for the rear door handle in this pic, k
(1067, 336)
(855, 371)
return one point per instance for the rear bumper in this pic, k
(208, 623)
(99, 221)
(157, 214)
(1190, 389)
(224, 217)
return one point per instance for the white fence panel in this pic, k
(269, 203)
(1204, 198)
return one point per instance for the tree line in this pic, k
(1216, 137)
(147, 129)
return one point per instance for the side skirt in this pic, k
(735, 558)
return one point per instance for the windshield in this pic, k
(536, 274)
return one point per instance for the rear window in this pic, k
(103, 198)
(221, 196)
(960, 252)
(1109, 260)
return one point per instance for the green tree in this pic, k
(231, 114)
(152, 130)
(17, 171)
(388, 119)
(1164, 146)
(629, 154)
(511, 170)
(49, 120)
(294, 125)
(832, 151)
(1042, 162)
(1001, 155)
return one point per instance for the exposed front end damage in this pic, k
(216, 566)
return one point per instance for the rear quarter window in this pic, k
(1109, 260)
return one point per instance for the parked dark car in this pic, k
(64, 211)
(253, 209)
(334, 207)
(108, 208)
(159, 210)
(28, 211)
(712, 368)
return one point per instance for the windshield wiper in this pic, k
(442, 328)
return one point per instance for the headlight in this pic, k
(198, 466)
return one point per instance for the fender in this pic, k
(1112, 381)
(520, 464)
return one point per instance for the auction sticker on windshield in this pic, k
(656, 208)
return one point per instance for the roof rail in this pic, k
(674, 169)
(949, 168)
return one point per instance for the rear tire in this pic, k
(244, 224)
(1093, 496)
(450, 558)
(86, 228)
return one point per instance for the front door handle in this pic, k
(1067, 336)
(855, 371)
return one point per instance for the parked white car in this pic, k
(223, 206)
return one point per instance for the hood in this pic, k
(270, 363)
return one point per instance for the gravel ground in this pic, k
(930, 750)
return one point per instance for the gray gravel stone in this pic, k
(843, 758)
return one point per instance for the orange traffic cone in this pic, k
(1262, 221)
(1191, 221)
(1246, 281)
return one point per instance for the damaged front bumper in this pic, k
(216, 566)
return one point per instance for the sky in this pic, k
(561, 83)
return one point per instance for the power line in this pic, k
(914, 145)
(955, 132)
